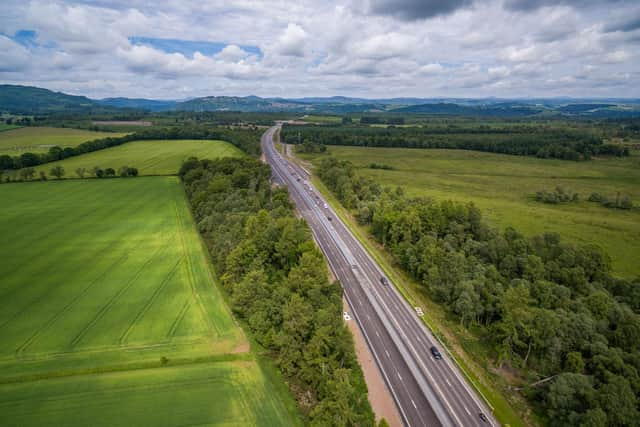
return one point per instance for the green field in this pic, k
(40, 139)
(110, 315)
(503, 187)
(161, 157)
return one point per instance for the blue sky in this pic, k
(189, 47)
(366, 48)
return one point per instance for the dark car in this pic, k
(436, 353)
(384, 281)
(483, 417)
(329, 218)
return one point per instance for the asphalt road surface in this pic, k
(428, 392)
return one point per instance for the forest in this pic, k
(276, 281)
(549, 309)
(245, 139)
(523, 140)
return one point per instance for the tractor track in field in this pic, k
(194, 291)
(115, 297)
(20, 350)
(150, 302)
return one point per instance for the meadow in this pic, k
(109, 311)
(503, 187)
(39, 139)
(153, 157)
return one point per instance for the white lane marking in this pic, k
(448, 382)
(465, 408)
(399, 376)
(387, 354)
(368, 317)
(377, 334)
(414, 404)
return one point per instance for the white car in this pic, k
(325, 206)
(346, 316)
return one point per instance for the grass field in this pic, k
(109, 313)
(40, 139)
(162, 157)
(503, 188)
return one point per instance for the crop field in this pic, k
(161, 157)
(40, 139)
(109, 311)
(503, 187)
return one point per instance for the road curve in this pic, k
(428, 392)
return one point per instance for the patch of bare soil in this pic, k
(380, 398)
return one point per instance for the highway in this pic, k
(428, 392)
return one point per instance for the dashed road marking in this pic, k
(414, 404)
(387, 354)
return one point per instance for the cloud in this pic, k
(626, 25)
(13, 57)
(292, 42)
(528, 5)
(411, 10)
(370, 48)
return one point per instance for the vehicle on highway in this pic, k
(384, 281)
(329, 218)
(325, 206)
(436, 354)
(483, 417)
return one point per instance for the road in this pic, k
(428, 392)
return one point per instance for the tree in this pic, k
(80, 172)
(99, 173)
(123, 171)
(27, 173)
(109, 172)
(57, 171)
(43, 176)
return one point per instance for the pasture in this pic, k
(109, 312)
(153, 157)
(39, 139)
(503, 187)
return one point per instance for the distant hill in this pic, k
(499, 110)
(34, 100)
(139, 104)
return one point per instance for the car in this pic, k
(329, 218)
(436, 354)
(384, 281)
(298, 179)
(483, 417)
(326, 206)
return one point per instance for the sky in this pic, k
(178, 49)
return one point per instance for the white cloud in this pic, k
(292, 42)
(13, 57)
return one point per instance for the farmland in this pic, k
(153, 157)
(40, 139)
(503, 187)
(110, 312)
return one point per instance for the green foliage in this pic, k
(559, 195)
(546, 307)
(277, 283)
(310, 147)
(623, 202)
(540, 141)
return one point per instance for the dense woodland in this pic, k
(523, 140)
(277, 283)
(543, 306)
(243, 138)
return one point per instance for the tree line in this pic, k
(543, 142)
(276, 280)
(548, 308)
(245, 139)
